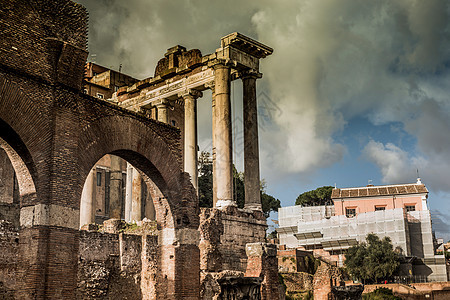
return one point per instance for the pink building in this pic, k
(353, 201)
(399, 212)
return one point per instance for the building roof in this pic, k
(382, 190)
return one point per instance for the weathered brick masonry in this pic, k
(9, 244)
(54, 134)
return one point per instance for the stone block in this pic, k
(261, 249)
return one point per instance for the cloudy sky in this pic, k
(354, 91)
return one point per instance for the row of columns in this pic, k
(222, 150)
(222, 137)
(133, 195)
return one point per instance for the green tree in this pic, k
(205, 180)
(269, 203)
(372, 260)
(205, 187)
(319, 196)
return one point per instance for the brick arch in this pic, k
(21, 162)
(157, 159)
(20, 122)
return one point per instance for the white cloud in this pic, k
(394, 163)
(333, 60)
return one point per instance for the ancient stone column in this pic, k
(222, 136)
(211, 86)
(115, 189)
(251, 149)
(136, 197)
(162, 111)
(190, 135)
(133, 197)
(87, 205)
(129, 192)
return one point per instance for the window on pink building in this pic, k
(350, 212)
(410, 207)
(377, 208)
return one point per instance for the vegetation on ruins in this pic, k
(205, 187)
(381, 294)
(373, 260)
(306, 295)
(319, 196)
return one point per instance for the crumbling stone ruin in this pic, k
(52, 134)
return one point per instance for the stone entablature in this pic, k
(182, 70)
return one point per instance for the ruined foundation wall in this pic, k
(111, 266)
(9, 245)
(298, 282)
(224, 234)
(325, 277)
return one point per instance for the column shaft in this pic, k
(115, 190)
(190, 138)
(128, 192)
(213, 106)
(87, 205)
(162, 113)
(223, 137)
(251, 149)
(136, 197)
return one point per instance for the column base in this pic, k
(221, 204)
(254, 207)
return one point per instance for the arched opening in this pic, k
(16, 181)
(116, 189)
(120, 193)
(9, 190)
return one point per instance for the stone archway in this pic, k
(157, 157)
(21, 161)
(154, 154)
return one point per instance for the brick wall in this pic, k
(325, 277)
(46, 39)
(9, 246)
(262, 262)
(429, 290)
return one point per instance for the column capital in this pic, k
(161, 103)
(218, 63)
(210, 85)
(249, 73)
(190, 92)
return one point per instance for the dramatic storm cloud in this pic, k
(386, 61)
